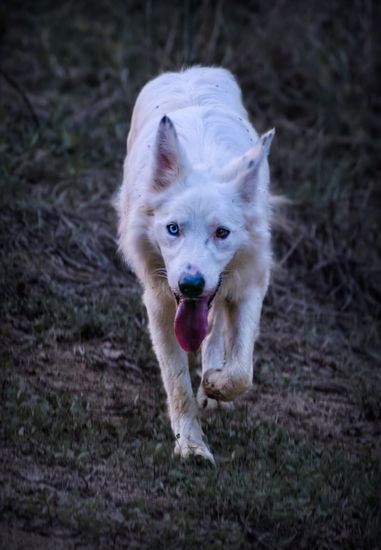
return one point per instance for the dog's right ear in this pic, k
(169, 160)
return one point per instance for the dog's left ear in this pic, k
(169, 160)
(244, 169)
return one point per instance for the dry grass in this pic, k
(86, 447)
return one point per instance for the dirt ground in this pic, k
(85, 445)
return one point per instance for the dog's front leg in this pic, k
(182, 405)
(213, 357)
(241, 330)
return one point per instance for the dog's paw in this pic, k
(186, 447)
(207, 404)
(223, 386)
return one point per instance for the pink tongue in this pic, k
(191, 323)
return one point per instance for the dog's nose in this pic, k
(191, 286)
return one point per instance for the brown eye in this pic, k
(222, 232)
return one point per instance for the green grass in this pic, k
(267, 485)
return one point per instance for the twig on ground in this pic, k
(12, 82)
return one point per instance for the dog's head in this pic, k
(201, 216)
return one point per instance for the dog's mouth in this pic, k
(191, 321)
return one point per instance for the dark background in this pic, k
(85, 457)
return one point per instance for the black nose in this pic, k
(191, 286)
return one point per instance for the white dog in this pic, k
(194, 225)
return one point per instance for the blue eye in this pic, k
(173, 229)
(222, 232)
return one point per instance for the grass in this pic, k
(255, 493)
(86, 448)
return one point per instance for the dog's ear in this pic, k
(244, 169)
(169, 160)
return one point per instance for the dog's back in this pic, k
(206, 87)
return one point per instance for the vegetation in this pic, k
(85, 445)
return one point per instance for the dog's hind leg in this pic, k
(182, 405)
(213, 356)
(241, 331)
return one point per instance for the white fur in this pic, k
(205, 167)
